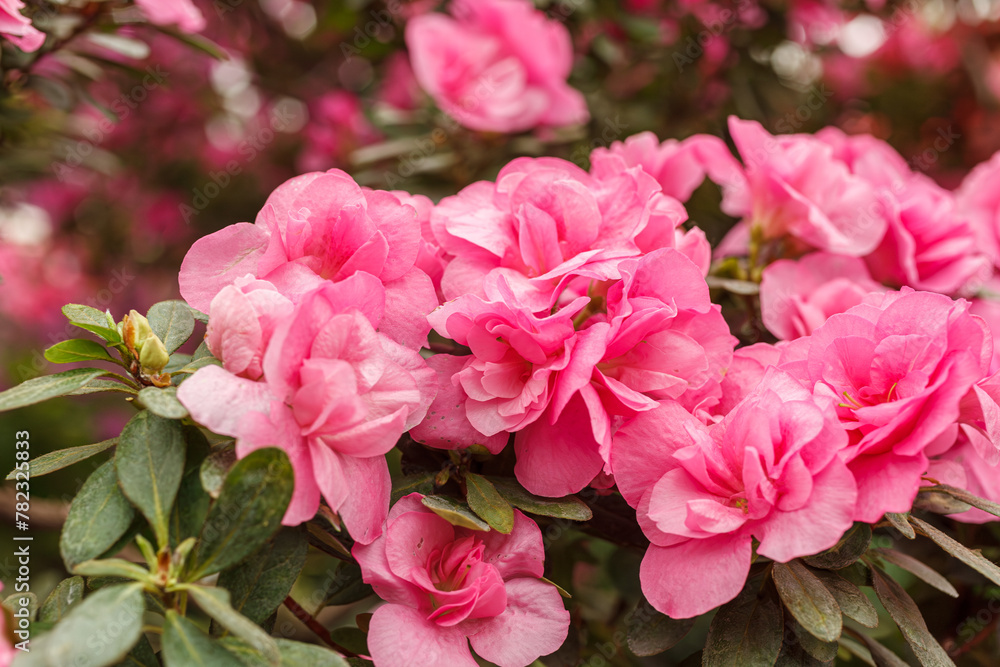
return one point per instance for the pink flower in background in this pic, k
(898, 367)
(336, 395)
(400, 89)
(315, 228)
(769, 470)
(182, 13)
(979, 202)
(496, 65)
(798, 296)
(337, 125)
(447, 587)
(17, 27)
(961, 466)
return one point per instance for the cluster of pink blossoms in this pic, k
(586, 338)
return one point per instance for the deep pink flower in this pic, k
(979, 202)
(447, 587)
(898, 367)
(182, 13)
(744, 374)
(769, 470)
(337, 125)
(17, 27)
(496, 65)
(798, 296)
(320, 227)
(336, 396)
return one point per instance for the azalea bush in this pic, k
(485, 382)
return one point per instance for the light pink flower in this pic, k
(315, 228)
(798, 296)
(182, 13)
(979, 202)
(744, 374)
(496, 65)
(447, 587)
(963, 467)
(898, 367)
(336, 396)
(795, 186)
(17, 27)
(769, 470)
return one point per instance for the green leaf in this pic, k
(811, 651)
(63, 458)
(746, 632)
(172, 322)
(915, 567)
(43, 388)
(248, 512)
(352, 639)
(141, 655)
(293, 654)
(185, 645)
(846, 551)
(190, 509)
(939, 503)
(805, 596)
(215, 603)
(13, 603)
(101, 385)
(650, 632)
(196, 365)
(347, 586)
(150, 465)
(114, 567)
(422, 483)
(907, 615)
(214, 469)
(261, 584)
(63, 596)
(973, 559)
(485, 501)
(99, 515)
(98, 631)
(92, 320)
(163, 402)
(568, 507)
(881, 656)
(985, 505)
(900, 523)
(454, 512)
(77, 349)
(852, 601)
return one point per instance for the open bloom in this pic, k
(898, 367)
(182, 13)
(447, 587)
(496, 65)
(17, 27)
(769, 470)
(315, 228)
(979, 202)
(336, 396)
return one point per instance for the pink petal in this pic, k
(365, 509)
(403, 637)
(221, 401)
(534, 624)
(218, 259)
(519, 553)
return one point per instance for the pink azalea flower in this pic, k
(336, 396)
(496, 65)
(744, 374)
(182, 13)
(337, 125)
(962, 466)
(769, 470)
(315, 228)
(798, 296)
(795, 186)
(447, 587)
(898, 367)
(979, 202)
(17, 27)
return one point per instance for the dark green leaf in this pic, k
(485, 501)
(569, 507)
(915, 567)
(185, 645)
(907, 615)
(260, 585)
(177, 362)
(248, 512)
(215, 603)
(13, 602)
(172, 322)
(347, 586)
(901, 523)
(98, 516)
(293, 654)
(65, 595)
(63, 458)
(43, 388)
(104, 384)
(851, 600)
(352, 639)
(973, 559)
(214, 469)
(881, 656)
(190, 509)
(196, 365)
(150, 465)
(805, 596)
(163, 402)
(141, 655)
(814, 651)
(422, 483)
(850, 548)
(985, 505)
(746, 632)
(98, 631)
(76, 350)
(92, 320)
(650, 632)
(454, 512)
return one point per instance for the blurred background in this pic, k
(127, 135)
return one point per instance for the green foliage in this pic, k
(99, 515)
(172, 322)
(43, 388)
(454, 512)
(488, 504)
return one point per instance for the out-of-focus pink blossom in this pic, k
(182, 13)
(962, 466)
(337, 125)
(336, 395)
(496, 65)
(447, 587)
(798, 296)
(769, 470)
(400, 89)
(17, 27)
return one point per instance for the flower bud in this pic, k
(153, 356)
(139, 329)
